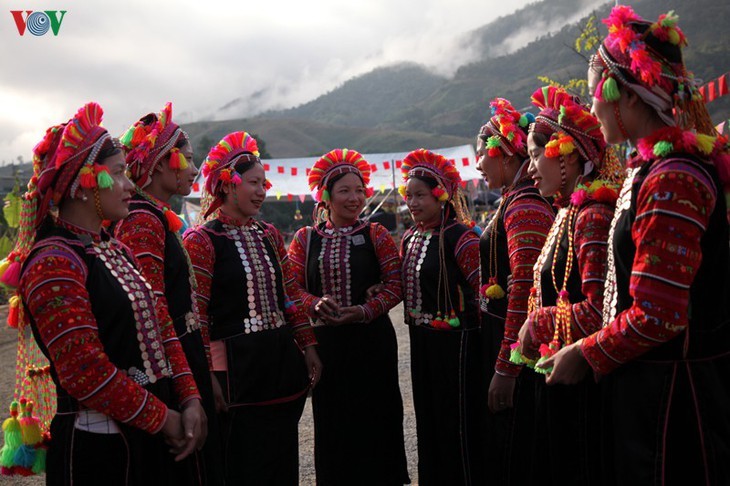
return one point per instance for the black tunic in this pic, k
(667, 398)
(357, 405)
(446, 366)
(568, 416)
(266, 380)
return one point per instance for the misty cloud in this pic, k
(216, 59)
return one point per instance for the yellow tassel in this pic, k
(705, 143)
(4, 265)
(494, 291)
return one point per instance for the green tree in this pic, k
(587, 41)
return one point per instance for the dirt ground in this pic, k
(306, 430)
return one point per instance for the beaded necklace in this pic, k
(192, 317)
(415, 256)
(599, 190)
(142, 299)
(261, 280)
(334, 261)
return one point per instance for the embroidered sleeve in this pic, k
(390, 267)
(673, 211)
(202, 256)
(590, 240)
(54, 291)
(467, 257)
(296, 317)
(527, 221)
(297, 264)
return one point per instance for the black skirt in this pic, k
(357, 407)
(448, 395)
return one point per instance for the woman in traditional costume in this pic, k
(123, 385)
(358, 410)
(663, 352)
(261, 344)
(570, 163)
(160, 162)
(441, 286)
(509, 247)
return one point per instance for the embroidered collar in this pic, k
(96, 237)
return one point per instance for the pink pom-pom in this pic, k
(11, 277)
(578, 197)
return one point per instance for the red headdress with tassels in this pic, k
(333, 163)
(63, 161)
(506, 130)
(219, 166)
(425, 163)
(151, 139)
(569, 124)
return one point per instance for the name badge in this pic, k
(358, 240)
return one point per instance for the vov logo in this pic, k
(39, 22)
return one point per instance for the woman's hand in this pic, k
(501, 393)
(195, 427)
(374, 290)
(327, 308)
(569, 366)
(347, 315)
(314, 365)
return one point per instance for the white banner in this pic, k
(289, 176)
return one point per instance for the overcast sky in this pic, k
(132, 56)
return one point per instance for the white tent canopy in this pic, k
(289, 176)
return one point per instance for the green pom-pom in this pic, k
(523, 121)
(126, 139)
(325, 195)
(542, 371)
(493, 142)
(454, 322)
(39, 466)
(610, 90)
(104, 180)
(516, 357)
(663, 148)
(13, 439)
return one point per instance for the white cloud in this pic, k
(135, 55)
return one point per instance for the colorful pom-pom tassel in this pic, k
(12, 437)
(103, 178)
(663, 148)
(325, 195)
(454, 321)
(494, 290)
(173, 220)
(11, 276)
(87, 178)
(14, 311)
(610, 91)
(39, 466)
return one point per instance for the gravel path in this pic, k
(306, 430)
